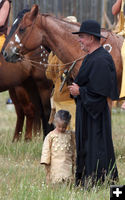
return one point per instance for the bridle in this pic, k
(19, 40)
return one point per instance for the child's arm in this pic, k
(46, 151)
(47, 172)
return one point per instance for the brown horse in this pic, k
(7, 81)
(56, 34)
(31, 96)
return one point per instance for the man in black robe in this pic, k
(95, 82)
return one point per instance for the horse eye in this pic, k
(21, 30)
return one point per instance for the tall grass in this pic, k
(23, 178)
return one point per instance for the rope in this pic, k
(42, 69)
(57, 65)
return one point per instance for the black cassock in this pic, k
(95, 152)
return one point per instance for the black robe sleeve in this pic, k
(93, 103)
(102, 78)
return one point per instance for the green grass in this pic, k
(23, 178)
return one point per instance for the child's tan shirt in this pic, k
(58, 154)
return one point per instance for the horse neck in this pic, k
(59, 38)
(12, 74)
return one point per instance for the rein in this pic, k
(57, 65)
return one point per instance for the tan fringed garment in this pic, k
(58, 154)
(61, 100)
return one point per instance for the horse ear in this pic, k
(34, 11)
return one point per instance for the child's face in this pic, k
(61, 126)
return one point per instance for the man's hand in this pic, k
(74, 89)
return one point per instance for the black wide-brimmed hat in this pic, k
(91, 27)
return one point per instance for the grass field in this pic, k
(23, 178)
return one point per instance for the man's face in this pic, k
(85, 41)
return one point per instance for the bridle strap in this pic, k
(25, 40)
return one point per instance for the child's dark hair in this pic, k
(63, 115)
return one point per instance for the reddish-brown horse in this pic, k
(24, 106)
(28, 96)
(56, 34)
(31, 96)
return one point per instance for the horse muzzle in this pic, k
(11, 56)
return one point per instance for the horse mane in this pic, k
(67, 26)
(59, 18)
(73, 23)
(48, 14)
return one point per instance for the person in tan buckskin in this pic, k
(58, 152)
(5, 6)
(60, 100)
(118, 9)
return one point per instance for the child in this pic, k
(58, 153)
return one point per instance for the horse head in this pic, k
(41, 29)
(36, 60)
(18, 42)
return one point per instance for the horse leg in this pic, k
(30, 115)
(27, 109)
(20, 115)
(29, 125)
(19, 125)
